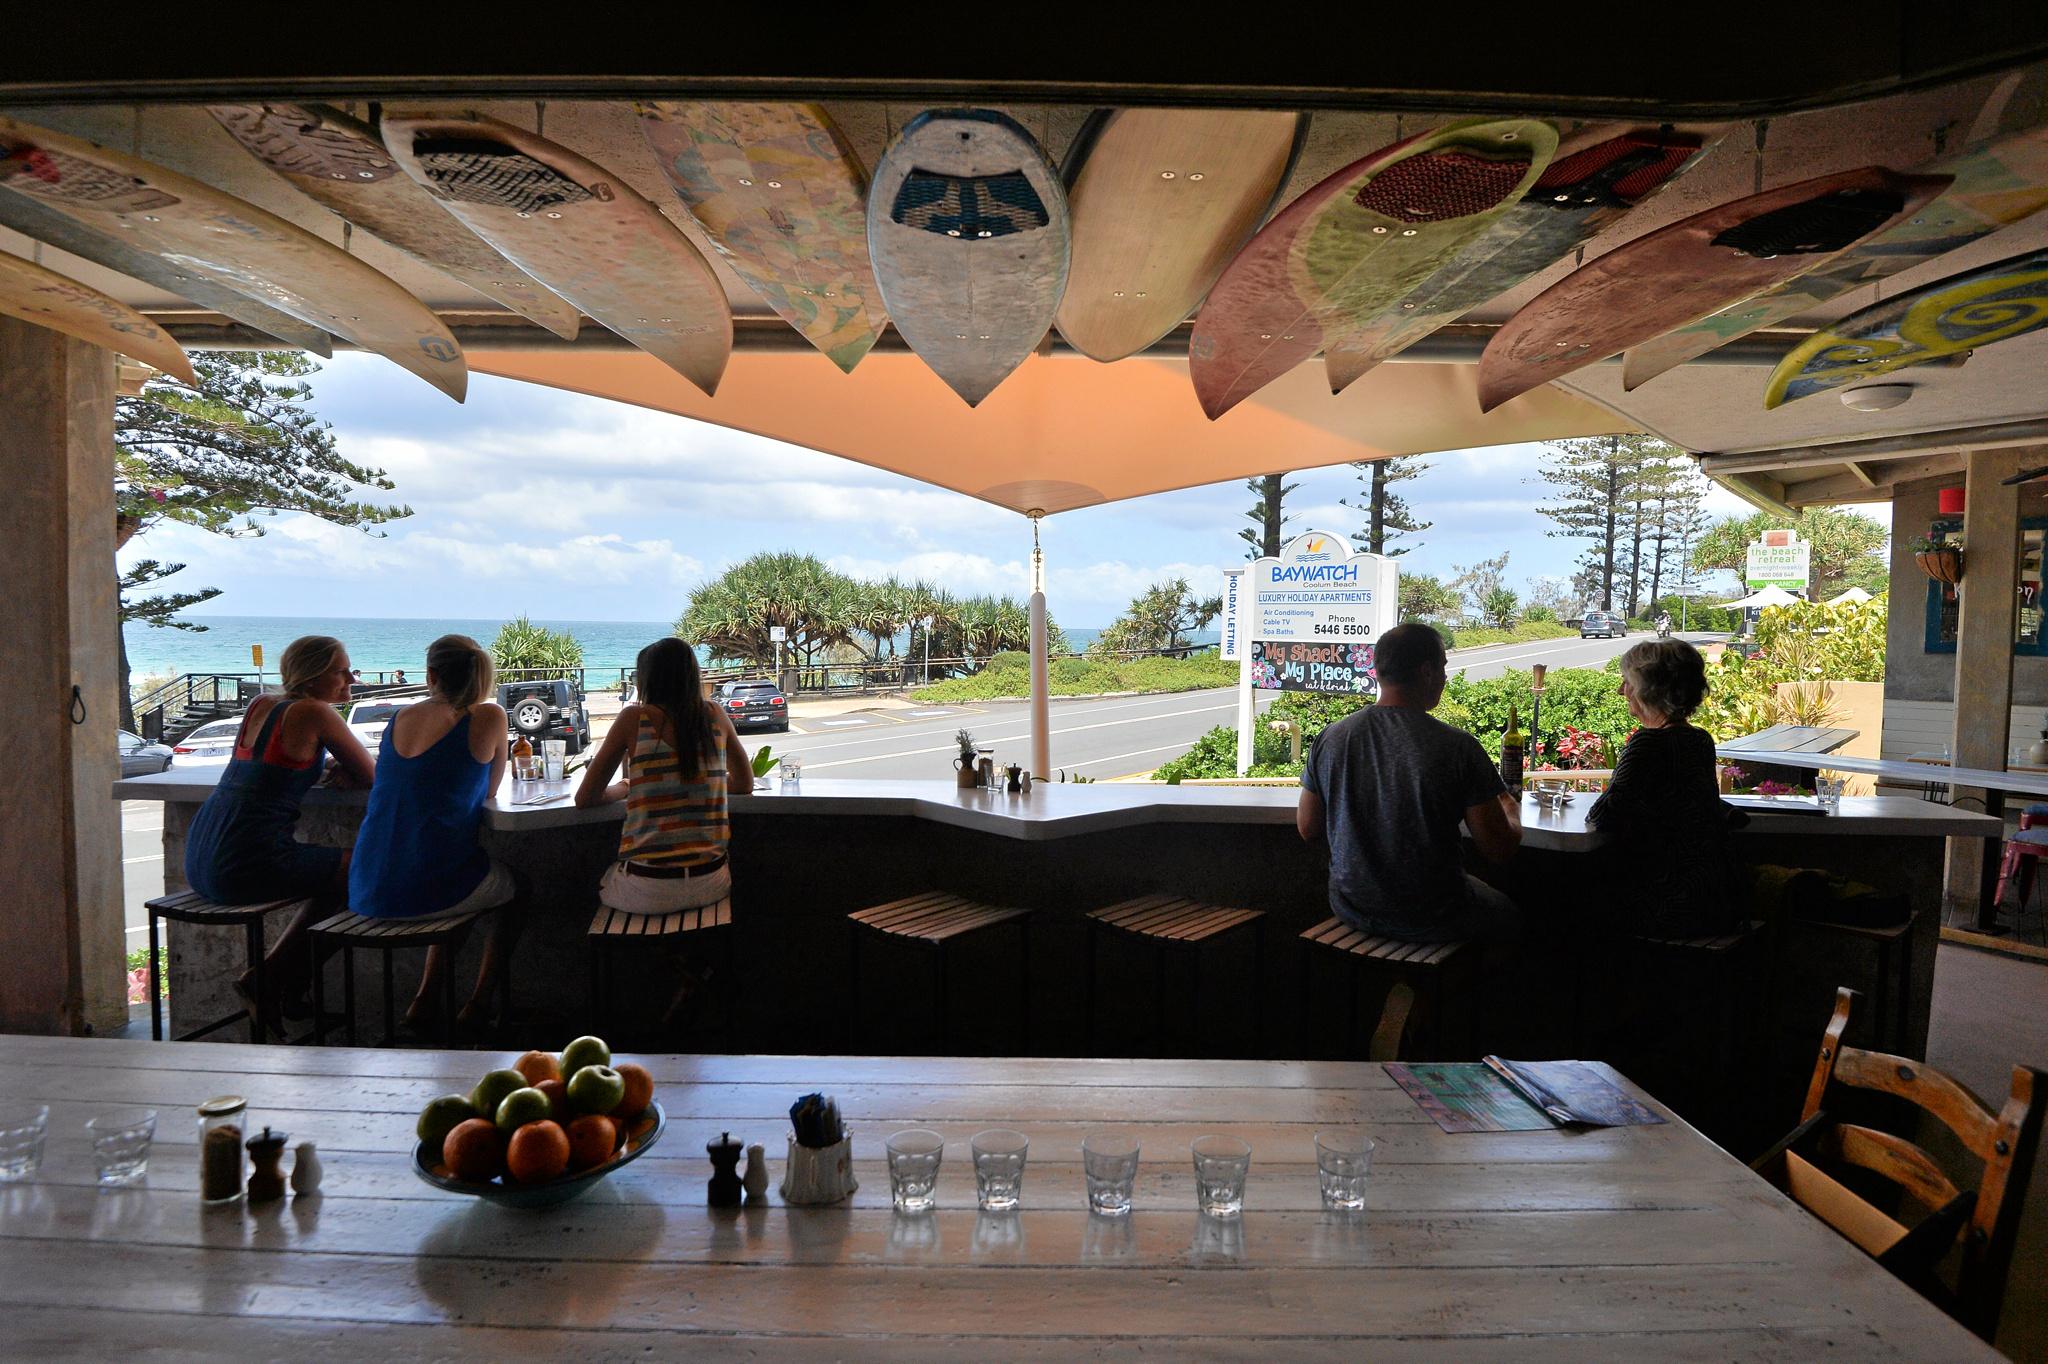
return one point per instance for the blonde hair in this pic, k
(462, 670)
(305, 661)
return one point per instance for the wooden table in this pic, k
(1791, 739)
(1635, 1241)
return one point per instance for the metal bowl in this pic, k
(646, 1131)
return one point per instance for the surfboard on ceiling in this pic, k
(1161, 199)
(1996, 184)
(1355, 245)
(1962, 313)
(46, 225)
(784, 200)
(1595, 179)
(968, 230)
(237, 245)
(580, 230)
(337, 162)
(48, 299)
(1691, 269)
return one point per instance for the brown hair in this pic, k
(1669, 676)
(462, 670)
(306, 660)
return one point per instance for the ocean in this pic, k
(376, 644)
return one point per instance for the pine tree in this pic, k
(1593, 480)
(1387, 513)
(1266, 515)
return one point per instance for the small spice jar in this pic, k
(221, 1123)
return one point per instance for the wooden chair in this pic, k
(613, 928)
(1164, 924)
(939, 924)
(190, 907)
(347, 931)
(1426, 967)
(1984, 1218)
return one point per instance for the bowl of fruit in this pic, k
(542, 1130)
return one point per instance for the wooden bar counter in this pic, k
(1634, 1242)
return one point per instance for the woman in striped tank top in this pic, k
(681, 755)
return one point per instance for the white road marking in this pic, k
(1025, 734)
(1063, 711)
(131, 861)
(1181, 747)
(843, 722)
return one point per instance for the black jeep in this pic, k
(550, 708)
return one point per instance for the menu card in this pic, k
(1497, 1095)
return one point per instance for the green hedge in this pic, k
(1528, 631)
(1008, 675)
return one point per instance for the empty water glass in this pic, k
(1109, 1162)
(1828, 790)
(1221, 1164)
(22, 1127)
(792, 768)
(120, 1144)
(1343, 1161)
(914, 1168)
(999, 1168)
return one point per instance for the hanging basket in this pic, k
(1944, 565)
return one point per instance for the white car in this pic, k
(368, 719)
(212, 742)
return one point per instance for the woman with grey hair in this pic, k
(1664, 802)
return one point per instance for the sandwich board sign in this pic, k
(1779, 559)
(1307, 621)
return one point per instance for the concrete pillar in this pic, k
(62, 937)
(1987, 601)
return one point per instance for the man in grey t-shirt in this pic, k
(1389, 786)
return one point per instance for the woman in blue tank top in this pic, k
(417, 855)
(241, 850)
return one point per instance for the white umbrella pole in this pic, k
(1041, 685)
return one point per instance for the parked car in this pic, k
(754, 702)
(367, 720)
(547, 709)
(1606, 624)
(212, 742)
(140, 757)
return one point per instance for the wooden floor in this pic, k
(1630, 1242)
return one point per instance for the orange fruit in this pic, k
(558, 1095)
(537, 1151)
(639, 1091)
(537, 1066)
(592, 1139)
(475, 1150)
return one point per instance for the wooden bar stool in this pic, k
(190, 907)
(1167, 923)
(612, 928)
(347, 931)
(1425, 966)
(1715, 960)
(940, 923)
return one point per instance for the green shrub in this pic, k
(1177, 674)
(1527, 632)
(1582, 698)
(1215, 755)
(1008, 675)
(1538, 613)
(1009, 660)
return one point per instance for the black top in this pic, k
(1665, 805)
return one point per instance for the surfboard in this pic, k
(1161, 199)
(784, 200)
(1962, 313)
(1594, 180)
(237, 245)
(52, 228)
(337, 162)
(1685, 271)
(1355, 245)
(48, 299)
(1996, 184)
(580, 230)
(968, 230)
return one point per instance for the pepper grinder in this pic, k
(756, 1178)
(725, 1188)
(305, 1169)
(266, 1181)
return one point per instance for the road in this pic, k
(1100, 738)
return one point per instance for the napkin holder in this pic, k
(818, 1174)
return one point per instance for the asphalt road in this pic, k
(1100, 738)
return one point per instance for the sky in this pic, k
(567, 507)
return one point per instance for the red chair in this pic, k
(2022, 851)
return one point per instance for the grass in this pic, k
(1008, 676)
(1527, 632)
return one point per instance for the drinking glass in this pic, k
(914, 1168)
(22, 1127)
(554, 758)
(1221, 1164)
(999, 1168)
(1828, 790)
(1343, 1161)
(1109, 1163)
(120, 1144)
(791, 768)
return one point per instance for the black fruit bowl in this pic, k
(645, 1131)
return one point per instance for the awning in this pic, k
(1769, 596)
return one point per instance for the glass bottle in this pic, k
(221, 1124)
(1512, 749)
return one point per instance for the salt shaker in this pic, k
(756, 1178)
(305, 1170)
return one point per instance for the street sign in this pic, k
(1780, 559)
(256, 657)
(777, 634)
(1233, 614)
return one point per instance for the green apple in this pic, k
(439, 1118)
(523, 1106)
(584, 1051)
(492, 1089)
(596, 1089)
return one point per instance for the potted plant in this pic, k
(964, 775)
(1939, 557)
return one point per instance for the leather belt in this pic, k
(656, 872)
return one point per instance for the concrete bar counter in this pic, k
(803, 857)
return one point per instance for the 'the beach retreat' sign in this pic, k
(1779, 559)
